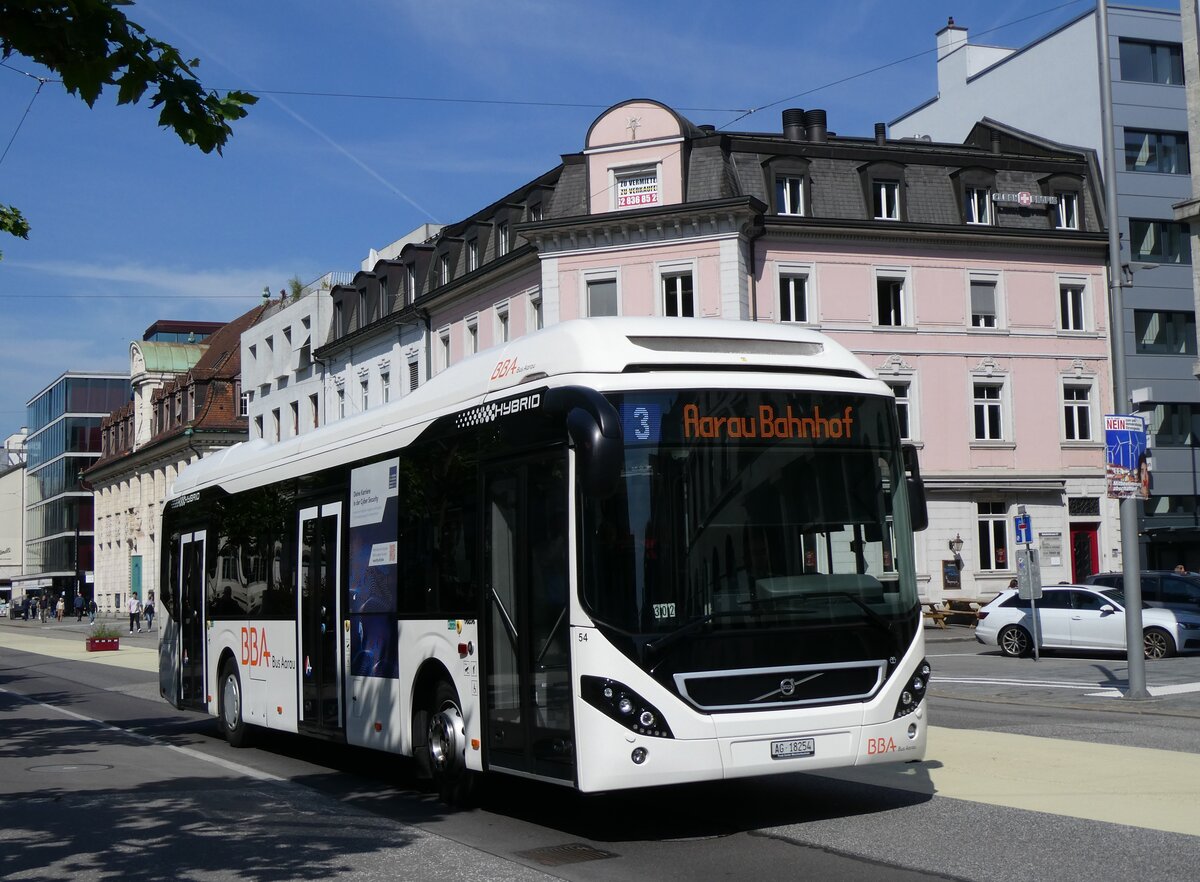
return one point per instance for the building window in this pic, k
(902, 389)
(602, 297)
(385, 386)
(1162, 152)
(473, 255)
(635, 188)
(1164, 333)
(314, 411)
(988, 403)
(1156, 241)
(275, 424)
(1071, 304)
(978, 205)
(443, 269)
(1175, 424)
(502, 322)
(364, 399)
(886, 195)
(1077, 412)
(502, 240)
(793, 297)
(677, 295)
(244, 411)
(341, 403)
(472, 334)
(983, 303)
(535, 211)
(295, 414)
(789, 194)
(993, 536)
(537, 318)
(339, 319)
(414, 376)
(363, 318)
(443, 350)
(258, 427)
(1067, 210)
(1144, 62)
(889, 298)
(410, 281)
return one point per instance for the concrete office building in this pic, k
(1051, 87)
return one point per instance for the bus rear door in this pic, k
(192, 692)
(318, 619)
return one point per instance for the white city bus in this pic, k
(615, 553)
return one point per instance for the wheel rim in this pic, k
(1155, 645)
(1014, 642)
(231, 701)
(446, 740)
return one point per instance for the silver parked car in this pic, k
(1082, 617)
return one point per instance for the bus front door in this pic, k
(192, 692)
(529, 726)
(318, 616)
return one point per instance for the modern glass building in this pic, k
(64, 440)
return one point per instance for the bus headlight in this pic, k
(910, 698)
(619, 702)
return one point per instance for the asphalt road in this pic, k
(1033, 773)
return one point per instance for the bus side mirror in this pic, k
(595, 430)
(918, 511)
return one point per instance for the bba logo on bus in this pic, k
(255, 652)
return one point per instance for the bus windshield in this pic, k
(741, 509)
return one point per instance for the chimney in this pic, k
(949, 38)
(793, 124)
(880, 133)
(814, 122)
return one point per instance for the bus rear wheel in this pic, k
(230, 714)
(446, 747)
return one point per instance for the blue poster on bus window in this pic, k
(1126, 459)
(642, 422)
(373, 522)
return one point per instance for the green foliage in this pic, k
(296, 286)
(102, 631)
(91, 44)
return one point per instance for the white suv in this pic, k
(1082, 617)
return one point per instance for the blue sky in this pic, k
(130, 226)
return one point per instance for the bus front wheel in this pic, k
(229, 711)
(446, 746)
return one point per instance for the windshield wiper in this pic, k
(687, 627)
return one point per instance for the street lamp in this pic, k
(956, 547)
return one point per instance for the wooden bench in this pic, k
(940, 612)
(937, 613)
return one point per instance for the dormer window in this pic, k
(636, 188)
(501, 239)
(444, 269)
(472, 255)
(885, 196)
(977, 205)
(1067, 210)
(789, 194)
(535, 211)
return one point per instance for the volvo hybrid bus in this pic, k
(615, 553)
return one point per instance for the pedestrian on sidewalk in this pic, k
(135, 613)
(148, 612)
(79, 607)
(92, 609)
(60, 607)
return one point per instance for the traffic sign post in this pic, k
(1029, 573)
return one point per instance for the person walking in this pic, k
(60, 607)
(92, 610)
(148, 612)
(78, 603)
(135, 613)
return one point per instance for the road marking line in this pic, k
(998, 681)
(1155, 691)
(228, 765)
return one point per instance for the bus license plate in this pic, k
(792, 747)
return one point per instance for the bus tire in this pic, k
(230, 713)
(446, 746)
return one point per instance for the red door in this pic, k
(1085, 551)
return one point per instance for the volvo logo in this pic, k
(787, 687)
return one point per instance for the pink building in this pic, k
(971, 276)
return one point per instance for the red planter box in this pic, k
(103, 644)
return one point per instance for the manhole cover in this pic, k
(571, 853)
(72, 767)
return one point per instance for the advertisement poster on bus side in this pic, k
(374, 513)
(1126, 459)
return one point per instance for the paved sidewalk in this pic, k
(65, 640)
